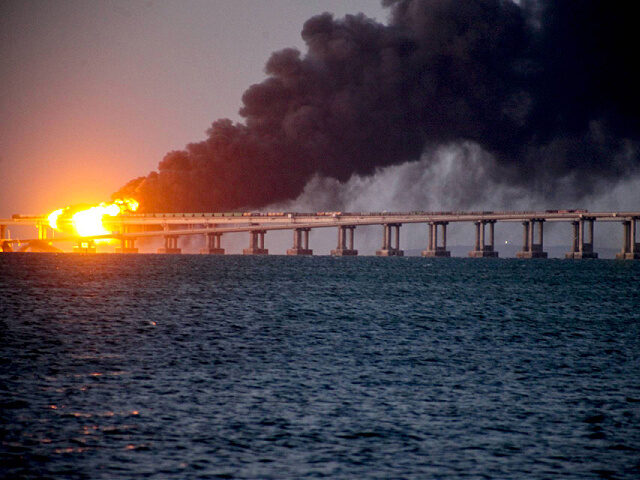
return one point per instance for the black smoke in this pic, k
(547, 88)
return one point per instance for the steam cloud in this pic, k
(546, 89)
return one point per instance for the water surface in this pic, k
(187, 366)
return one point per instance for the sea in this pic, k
(274, 367)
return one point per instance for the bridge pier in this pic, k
(85, 246)
(43, 231)
(530, 249)
(483, 249)
(433, 249)
(300, 242)
(170, 245)
(213, 244)
(579, 247)
(256, 243)
(127, 244)
(388, 249)
(5, 245)
(630, 248)
(345, 242)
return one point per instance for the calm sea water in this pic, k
(150, 366)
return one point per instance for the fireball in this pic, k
(89, 221)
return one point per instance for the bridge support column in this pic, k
(43, 229)
(5, 246)
(530, 249)
(300, 242)
(256, 243)
(213, 244)
(127, 244)
(345, 242)
(388, 248)
(434, 249)
(85, 246)
(630, 248)
(170, 245)
(482, 248)
(580, 247)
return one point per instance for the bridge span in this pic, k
(172, 226)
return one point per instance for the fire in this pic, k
(89, 221)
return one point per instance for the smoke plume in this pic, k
(545, 89)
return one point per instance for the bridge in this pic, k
(172, 226)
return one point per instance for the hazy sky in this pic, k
(94, 93)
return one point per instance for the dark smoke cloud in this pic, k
(546, 88)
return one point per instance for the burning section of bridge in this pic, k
(87, 221)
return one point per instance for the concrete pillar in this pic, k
(444, 235)
(431, 242)
(385, 237)
(391, 244)
(127, 244)
(630, 247)
(530, 249)
(42, 231)
(434, 249)
(170, 245)
(540, 234)
(491, 235)
(576, 235)
(525, 236)
(256, 243)
(85, 246)
(583, 241)
(580, 236)
(345, 244)
(627, 236)
(213, 244)
(300, 242)
(481, 250)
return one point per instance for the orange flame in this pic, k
(89, 221)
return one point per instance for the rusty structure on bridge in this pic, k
(173, 226)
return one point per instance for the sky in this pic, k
(95, 93)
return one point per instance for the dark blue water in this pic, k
(159, 367)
